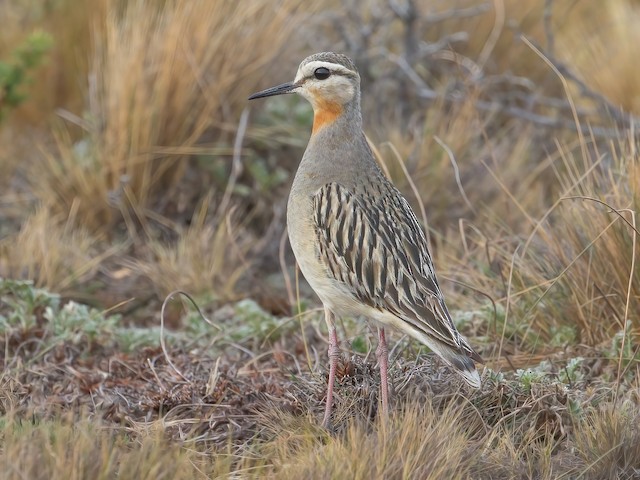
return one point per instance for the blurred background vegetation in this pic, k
(131, 163)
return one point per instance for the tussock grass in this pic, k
(64, 449)
(415, 443)
(461, 170)
(574, 276)
(608, 443)
(52, 251)
(554, 245)
(161, 76)
(207, 256)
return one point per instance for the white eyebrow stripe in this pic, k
(310, 67)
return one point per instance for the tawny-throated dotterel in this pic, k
(355, 237)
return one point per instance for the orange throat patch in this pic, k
(326, 113)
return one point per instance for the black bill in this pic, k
(277, 90)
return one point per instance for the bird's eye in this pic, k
(322, 73)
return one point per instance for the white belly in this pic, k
(334, 295)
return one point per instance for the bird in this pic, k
(355, 237)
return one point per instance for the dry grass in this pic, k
(53, 251)
(462, 170)
(207, 257)
(160, 79)
(603, 439)
(415, 443)
(68, 449)
(572, 276)
(591, 238)
(608, 34)
(260, 420)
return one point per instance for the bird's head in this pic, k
(329, 81)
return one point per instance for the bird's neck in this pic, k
(336, 118)
(337, 152)
(325, 114)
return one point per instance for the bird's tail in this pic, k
(463, 363)
(459, 358)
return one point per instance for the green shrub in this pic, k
(15, 73)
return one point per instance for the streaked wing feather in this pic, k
(373, 243)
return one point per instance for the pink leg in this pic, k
(382, 353)
(334, 355)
